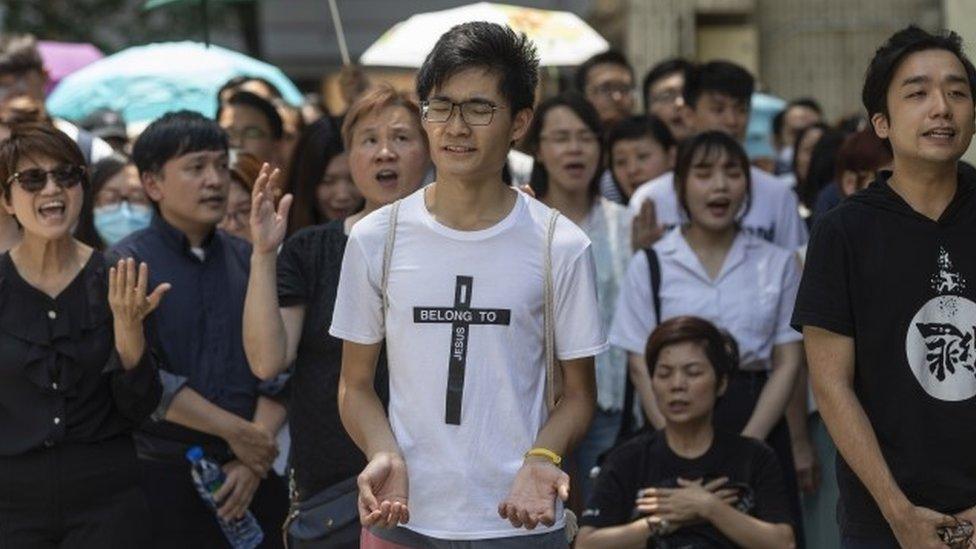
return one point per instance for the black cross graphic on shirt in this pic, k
(461, 316)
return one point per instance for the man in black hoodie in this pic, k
(887, 307)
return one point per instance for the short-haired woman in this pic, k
(75, 374)
(689, 485)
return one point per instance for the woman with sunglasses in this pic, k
(75, 373)
(689, 485)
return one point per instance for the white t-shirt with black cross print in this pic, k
(465, 347)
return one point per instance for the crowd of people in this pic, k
(486, 321)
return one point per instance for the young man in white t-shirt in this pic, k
(470, 452)
(717, 96)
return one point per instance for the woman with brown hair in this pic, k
(695, 486)
(291, 296)
(75, 374)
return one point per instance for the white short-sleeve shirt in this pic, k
(773, 214)
(474, 297)
(752, 297)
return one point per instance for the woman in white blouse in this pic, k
(565, 140)
(743, 284)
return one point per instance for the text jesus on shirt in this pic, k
(456, 239)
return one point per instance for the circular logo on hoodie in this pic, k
(940, 345)
(940, 349)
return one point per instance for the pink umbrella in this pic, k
(64, 58)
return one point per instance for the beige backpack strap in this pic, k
(549, 313)
(388, 255)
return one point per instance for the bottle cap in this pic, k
(194, 454)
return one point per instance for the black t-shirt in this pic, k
(648, 462)
(322, 454)
(903, 286)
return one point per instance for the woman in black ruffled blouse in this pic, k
(75, 373)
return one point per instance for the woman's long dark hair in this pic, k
(823, 166)
(574, 101)
(318, 145)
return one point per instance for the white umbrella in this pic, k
(561, 37)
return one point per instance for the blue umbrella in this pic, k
(146, 81)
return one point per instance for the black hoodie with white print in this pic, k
(904, 287)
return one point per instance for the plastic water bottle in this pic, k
(208, 477)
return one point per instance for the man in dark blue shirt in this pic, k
(210, 398)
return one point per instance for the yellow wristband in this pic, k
(548, 454)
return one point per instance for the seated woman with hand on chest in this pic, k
(688, 485)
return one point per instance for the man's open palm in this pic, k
(532, 498)
(383, 492)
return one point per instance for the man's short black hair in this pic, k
(610, 57)
(18, 53)
(722, 77)
(890, 55)
(489, 46)
(248, 99)
(175, 134)
(663, 70)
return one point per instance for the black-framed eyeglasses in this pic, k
(473, 113)
(35, 179)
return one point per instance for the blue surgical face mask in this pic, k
(115, 222)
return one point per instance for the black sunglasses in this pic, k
(35, 179)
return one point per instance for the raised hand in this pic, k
(130, 306)
(268, 225)
(644, 230)
(532, 499)
(384, 492)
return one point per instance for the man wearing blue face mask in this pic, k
(121, 206)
